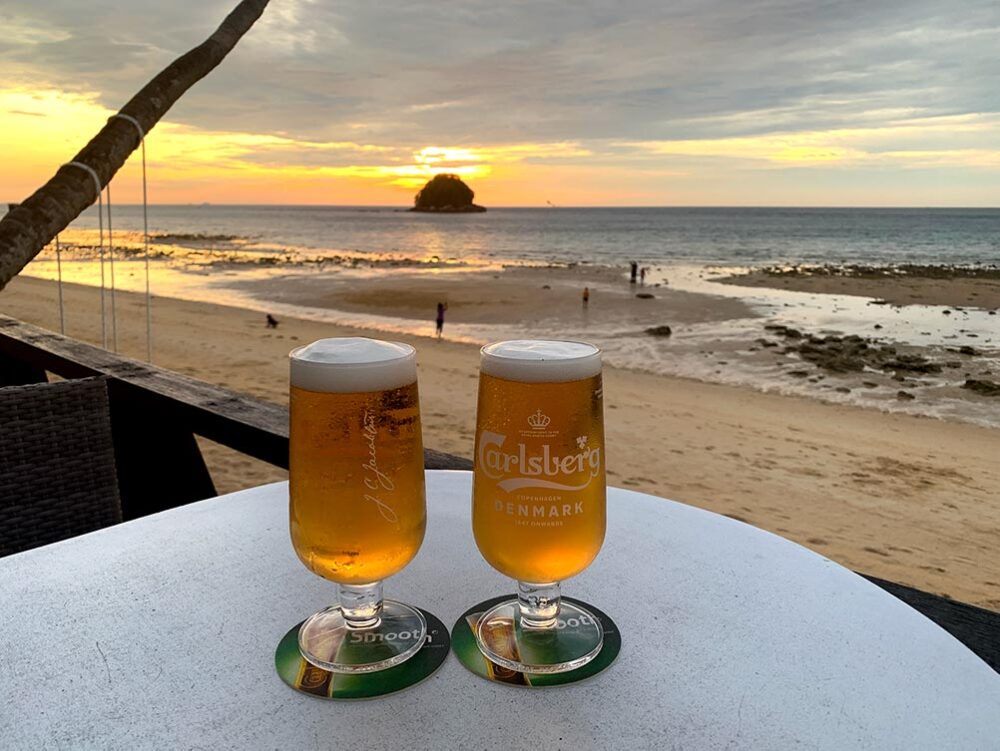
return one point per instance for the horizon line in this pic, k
(398, 207)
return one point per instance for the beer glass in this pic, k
(538, 507)
(356, 503)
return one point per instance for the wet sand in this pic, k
(509, 295)
(929, 288)
(909, 499)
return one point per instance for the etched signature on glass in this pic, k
(376, 479)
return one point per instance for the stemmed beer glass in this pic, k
(356, 508)
(539, 497)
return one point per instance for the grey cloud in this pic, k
(535, 71)
(80, 58)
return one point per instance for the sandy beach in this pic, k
(909, 499)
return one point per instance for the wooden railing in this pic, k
(155, 414)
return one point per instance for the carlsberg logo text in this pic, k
(540, 470)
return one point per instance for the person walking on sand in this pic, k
(442, 307)
(586, 296)
(642, 277)
(634, 270)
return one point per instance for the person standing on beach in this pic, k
(442, 307)
(642, 277)
(635, 270)
(586, 296)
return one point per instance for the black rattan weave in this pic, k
(57, 465)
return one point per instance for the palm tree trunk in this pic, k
(30, 226)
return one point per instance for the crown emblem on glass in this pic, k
(538, 499)
(538, 421)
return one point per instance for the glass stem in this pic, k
(361, 604)
(538, 603)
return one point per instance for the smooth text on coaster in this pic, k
(309, 679)
(463, 640)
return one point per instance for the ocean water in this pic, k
(249, 256)
(608, 236)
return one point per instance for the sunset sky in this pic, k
(719, 102)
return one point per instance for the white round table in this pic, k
(160, 633)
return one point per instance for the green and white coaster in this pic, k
(309, 679)
(463, 642)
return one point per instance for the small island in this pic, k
(446, 194)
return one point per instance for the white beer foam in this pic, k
(540, 360)
(352, 365)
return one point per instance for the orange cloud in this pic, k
(915, 142)
(43, 129)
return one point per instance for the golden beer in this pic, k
(357, 510)
(539, 486)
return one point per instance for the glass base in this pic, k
(574, 640)
(326, 641)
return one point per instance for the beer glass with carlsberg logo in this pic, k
(538, 508)
(356, 496)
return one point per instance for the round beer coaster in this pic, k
(463, 641)
(309, 679)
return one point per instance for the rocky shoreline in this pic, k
(900, 271)
(852, 354)
(470, 209)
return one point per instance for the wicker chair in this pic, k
(57, 464)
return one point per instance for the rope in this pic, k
(111, 258)
(62, 313)
(100, 231)
(145, 234)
